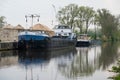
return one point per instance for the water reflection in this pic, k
(33, 57)
(8, 58)
(81, 63)
(84, 63)
(38, 56)
(32, 63)
(88, 60)
(109, 54)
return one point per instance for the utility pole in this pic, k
(55, 14)
(32, 16)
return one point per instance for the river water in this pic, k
(81, 63)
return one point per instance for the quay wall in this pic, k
(8, 45)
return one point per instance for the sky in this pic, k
(15, 10)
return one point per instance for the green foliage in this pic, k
(108, 23)
(77, 32)
(2, 22)
(68, 14)
(117, 77)
(82, 17)
(93, 34)
(88, 17)
(73, 15)
(116, 69)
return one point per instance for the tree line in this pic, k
(82, 17)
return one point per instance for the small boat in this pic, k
(64, 37)
(83, 40)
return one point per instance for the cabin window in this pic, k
(69, 34)
(60, 27)
(42, 31)
(65, 34)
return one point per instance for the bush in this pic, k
(116, 69)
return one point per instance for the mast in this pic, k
(32, 16)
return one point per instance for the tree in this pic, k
(73, 15)
(80, 18)
(88, 17)
(68, 14)
(96, 24)
(2, 22)
(109, 24)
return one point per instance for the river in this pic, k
(80, 63)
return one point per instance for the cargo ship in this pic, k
(64, 37)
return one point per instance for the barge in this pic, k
(64, 37)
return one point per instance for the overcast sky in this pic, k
(15, 10)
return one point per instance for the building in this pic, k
(10, 33)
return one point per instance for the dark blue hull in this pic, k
(45, 44)
(36, 44)
(83, 43)
(32, 40)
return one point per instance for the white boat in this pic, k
(63, 31)
(83, 40)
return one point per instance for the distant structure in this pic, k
(10, 33)
(19, 27)
(32, 16)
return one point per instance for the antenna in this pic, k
(32, 16)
